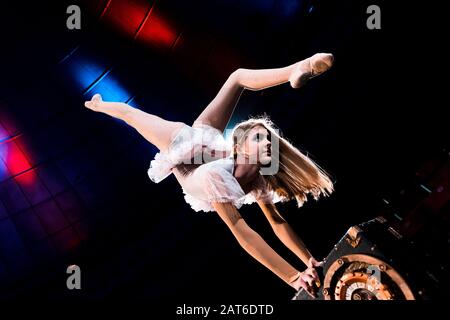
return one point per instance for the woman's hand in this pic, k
(306, 281)
(312, 264)
(309, 279)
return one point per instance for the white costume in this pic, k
(212, 180)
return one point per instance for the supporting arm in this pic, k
(255, 245)
(284, 232)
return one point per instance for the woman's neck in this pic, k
(244, 172)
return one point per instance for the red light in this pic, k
(27, 179)
(141, 20)
(14, 158)
(126, 16)
(158, 32)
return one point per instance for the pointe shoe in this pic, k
(94, 103)
(310, 68)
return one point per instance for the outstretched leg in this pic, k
(156, 130)
(220, 109)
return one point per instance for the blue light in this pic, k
(92, 75)
(3, 169)
(109, 88)
(67, 56)
(285, 8)
(3, 137)
(289, 7)
(311, 9)
(84, 72)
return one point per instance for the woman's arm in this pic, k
(285, 233)
(255, 245)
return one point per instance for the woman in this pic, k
(217, 177)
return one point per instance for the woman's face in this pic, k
(257, 146)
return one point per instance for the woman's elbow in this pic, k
(243, 234)
(277, 227)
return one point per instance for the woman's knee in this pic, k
(235, 76)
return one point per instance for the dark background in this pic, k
(73, 183)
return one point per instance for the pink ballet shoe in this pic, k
(310, 68)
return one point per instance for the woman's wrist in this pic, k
(294, 279)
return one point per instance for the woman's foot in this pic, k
(94, 103)
(119, 110)
(310, 68)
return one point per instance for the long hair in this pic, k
(297, 175)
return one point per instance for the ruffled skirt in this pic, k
(190, 143)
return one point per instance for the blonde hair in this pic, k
(297, 176)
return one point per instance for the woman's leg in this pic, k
(220, 109)
(156, 130)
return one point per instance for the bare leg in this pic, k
(156, 130)
(220, 109)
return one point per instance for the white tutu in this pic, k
(188, 142)
(212, 181)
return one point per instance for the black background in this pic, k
(370, 122)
